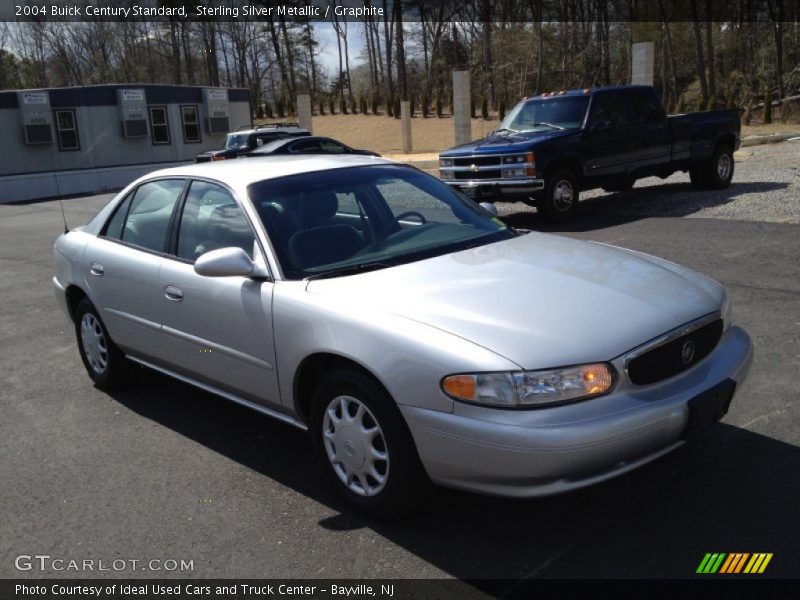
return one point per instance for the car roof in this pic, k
(238, 174)
(273, 144)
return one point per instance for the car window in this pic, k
(117, 221)
(150, 213)
(645, 107)
(305, 147)
(610, 107)
(331, 147)
(211, 220)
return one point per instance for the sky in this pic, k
(328, 51)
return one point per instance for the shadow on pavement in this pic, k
(730, 491)
(664, 200)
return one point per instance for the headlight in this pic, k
(446, 162)
(727, 312)
(531, 388)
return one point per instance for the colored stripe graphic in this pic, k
(723, 563)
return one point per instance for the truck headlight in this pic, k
(519, 165)
(531, 389)
(445, 163)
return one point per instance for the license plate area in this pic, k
(472, 191)
(708, 408)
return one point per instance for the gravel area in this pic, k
(766, 187)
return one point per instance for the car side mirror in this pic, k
(489, 207)
(225, 262)
(601, 125)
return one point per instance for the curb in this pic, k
(757, 140)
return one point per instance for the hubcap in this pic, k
(563, 195)
(724, 167)
(94, 343)
(355, 446)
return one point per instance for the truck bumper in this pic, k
(497, 189)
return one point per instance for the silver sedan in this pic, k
(410, 331)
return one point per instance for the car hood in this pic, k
(504, 143)
(538, 300)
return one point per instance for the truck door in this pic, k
(652, 134)
(607, 142)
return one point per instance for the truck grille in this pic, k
(478, 161)
(670, 358)
(473, 175)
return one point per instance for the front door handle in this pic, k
(173, 293)
(96, 269)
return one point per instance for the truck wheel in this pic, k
(716, 174)
(365, 446)
(620, 186)
(560, 198)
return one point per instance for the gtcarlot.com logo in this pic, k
(45, 562)
(722, 563)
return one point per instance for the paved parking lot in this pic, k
(164, 471)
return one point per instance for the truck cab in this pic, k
(552, 146)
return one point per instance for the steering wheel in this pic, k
(412, 213)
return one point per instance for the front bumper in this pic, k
(497, 188)
(527, 453)
(61, 297)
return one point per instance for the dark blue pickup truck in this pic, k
(550, 147)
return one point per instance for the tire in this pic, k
(715, 174)
(350, 457)
(105, 363)
(620, 186)
(559, 201)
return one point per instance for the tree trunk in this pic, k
(388, 38)
(402, 82)
(712, 76)
(486, 57)
(698, 45)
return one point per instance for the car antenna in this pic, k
(58, 192)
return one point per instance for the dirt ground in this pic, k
(382, 134)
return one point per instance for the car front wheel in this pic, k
(365, 446)
(559, 202)
(105, 363)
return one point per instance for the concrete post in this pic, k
(304, 111)
(461, 107)
(405, 125)
(642, 63)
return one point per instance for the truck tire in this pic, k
(715, 174)
(559, 201)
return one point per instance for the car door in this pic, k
(652, 134)
(219, 329)
(122, 266)
(607, 142)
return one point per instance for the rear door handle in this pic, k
(173, 293)
(96, 269)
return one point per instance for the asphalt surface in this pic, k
(164, 471)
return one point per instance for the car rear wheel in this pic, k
(365, 446)
(559, 201)
(105, 363)
(715, 174)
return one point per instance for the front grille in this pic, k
(670, 359)
(478, 161)
(472, 175)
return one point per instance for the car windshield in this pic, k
(341, 221)
(236, 140)
(543, 114)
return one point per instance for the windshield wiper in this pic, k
(351, 270)
(502, 129)
(549, 125)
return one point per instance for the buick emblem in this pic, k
(687, 352)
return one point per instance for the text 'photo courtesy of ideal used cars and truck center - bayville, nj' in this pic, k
(400, 299)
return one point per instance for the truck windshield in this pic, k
(543, 114)
(236, 140)
(341, 221)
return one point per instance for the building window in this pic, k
(159, 125)
(191, 124)
(67, 128)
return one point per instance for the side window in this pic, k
(150, 213)
(305, 147)
(159, 125)
(331, 147)
(609, 107)
(211, 220)
(117, 221)
(645, 107)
